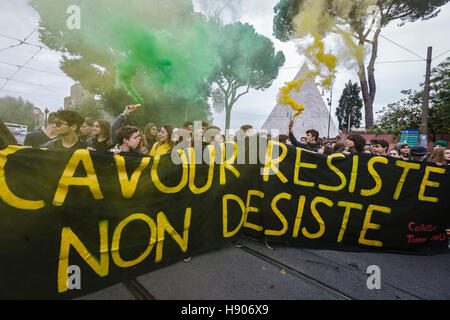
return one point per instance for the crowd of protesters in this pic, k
(67, 129)
(356, 143)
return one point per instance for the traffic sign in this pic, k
(36, 111)
(411, 137)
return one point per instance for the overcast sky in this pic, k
(18, 20)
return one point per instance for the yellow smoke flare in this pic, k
(319, 18)
(284, 98)
(322, 62)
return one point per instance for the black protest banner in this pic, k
(115, 217)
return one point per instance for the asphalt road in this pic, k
(255, 272)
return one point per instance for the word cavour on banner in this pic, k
(117, 217)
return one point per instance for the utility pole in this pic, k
(349, 118)
(425, 104)
(46, 118)
(329, 115)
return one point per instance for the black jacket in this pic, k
(36, 138)
(100, 146)
(57, 144)
(308, 146)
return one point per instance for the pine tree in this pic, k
(350, 105)
(364, 20)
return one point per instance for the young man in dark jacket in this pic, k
(129, 138)
(312, 137)
(38, 137)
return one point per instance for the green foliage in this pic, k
(149, 51)
(401, 11)
(16, 110)
(157, 53)
(90, 108)
(359, 22)
(248, 60)
(218, 100)
(439, 113)
(406, 114)
(413, 10)
(440, 86)
(285, 11)
(351, 104)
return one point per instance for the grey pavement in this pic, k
(255, 272)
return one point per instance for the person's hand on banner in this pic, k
(115, 152)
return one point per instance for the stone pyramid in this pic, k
(315, 115)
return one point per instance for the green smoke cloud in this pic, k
(164, 45)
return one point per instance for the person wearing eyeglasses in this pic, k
(66, 125)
